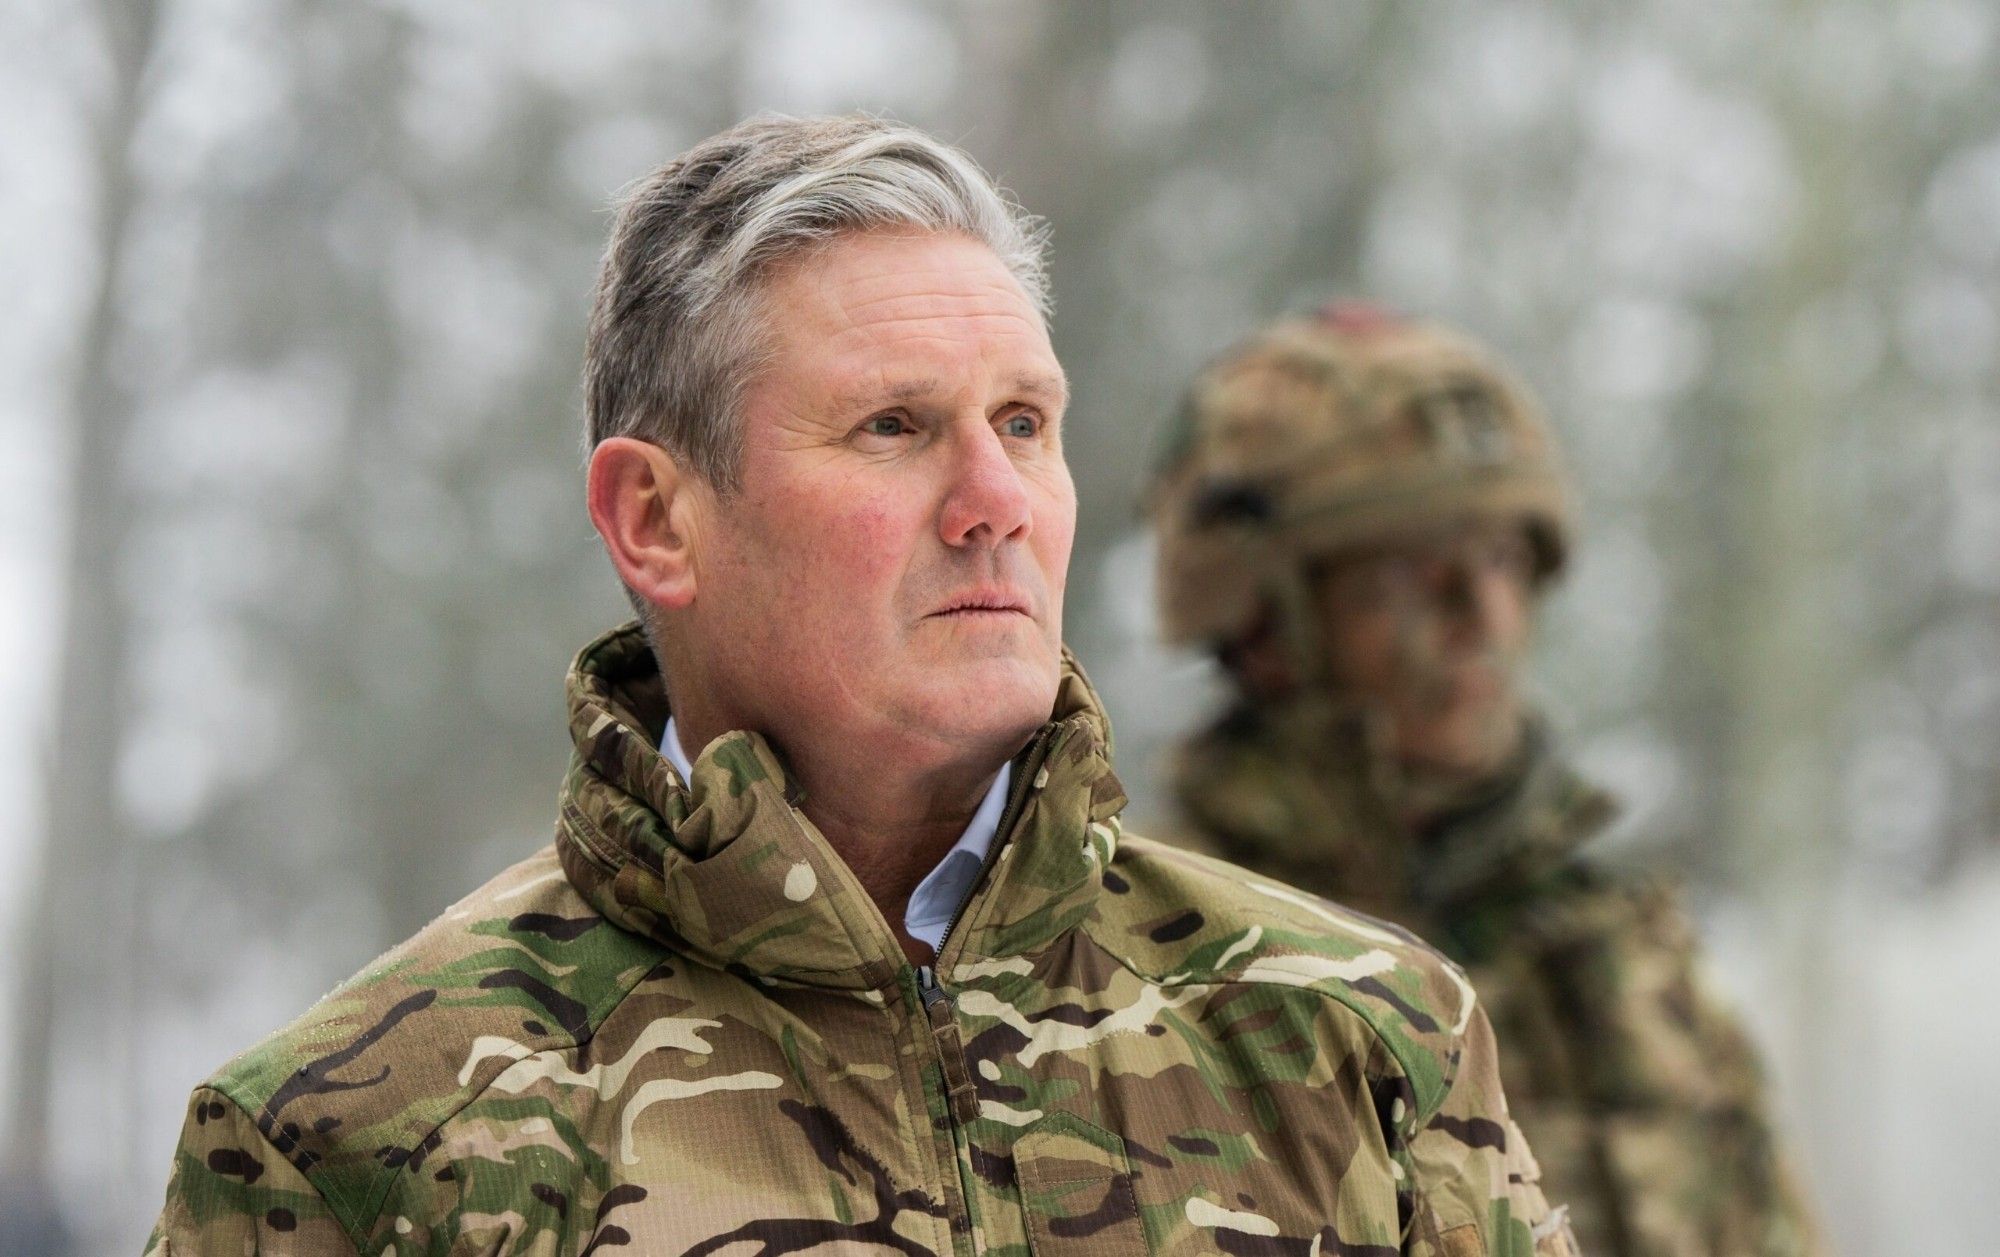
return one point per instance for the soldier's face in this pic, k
(1427, 632)
(892, 566)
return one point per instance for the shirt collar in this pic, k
(944, 887)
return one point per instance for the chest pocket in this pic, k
(1076, 1187)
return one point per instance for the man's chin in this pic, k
(996, 700)
(1468, 745)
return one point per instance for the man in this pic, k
(839, 945)
(1358, 517)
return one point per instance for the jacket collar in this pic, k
(726, 867)
(1294, 791)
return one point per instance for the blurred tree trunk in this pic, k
(1794, 655)
(84, 884)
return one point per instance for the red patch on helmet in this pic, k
(1360, 318)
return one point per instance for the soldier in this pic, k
(839, 945)
(1358, 517)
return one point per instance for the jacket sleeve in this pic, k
(231, 1191)
(1677, 1140)
(1476, 1189)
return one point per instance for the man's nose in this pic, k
(986, 501)
(1479, 596)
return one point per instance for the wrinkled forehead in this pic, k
(902, 315)
(894, 272)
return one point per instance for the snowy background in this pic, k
(292, 551)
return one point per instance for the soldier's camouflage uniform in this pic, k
(684, 1028)
(1640, 1094)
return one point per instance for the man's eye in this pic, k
(1023, 424)
(885, 425)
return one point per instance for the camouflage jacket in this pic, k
(685, 1028)
(1640, 1093)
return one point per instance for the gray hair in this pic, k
(675, 333)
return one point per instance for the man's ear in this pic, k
(647, 509)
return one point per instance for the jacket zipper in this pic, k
(961, 1093)
(1017, 798)
(938, 1008)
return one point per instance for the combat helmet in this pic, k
(1328, 431)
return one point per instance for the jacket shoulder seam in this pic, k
(598, 1016)
(369, 1211)
(217, 1086)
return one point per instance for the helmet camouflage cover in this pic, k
(1331, 431)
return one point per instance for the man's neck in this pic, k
(1431, 795)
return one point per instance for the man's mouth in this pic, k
(1468, 682)
(982, 602)
(1475, 684)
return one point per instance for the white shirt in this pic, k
(944, 887)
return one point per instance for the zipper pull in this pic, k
(960, 1091)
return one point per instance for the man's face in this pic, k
(1427, 632)
(892, 565)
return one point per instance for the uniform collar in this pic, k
(720, 863)
(1292, 791)
(944, 887)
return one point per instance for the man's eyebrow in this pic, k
(902, 391)
(1039, 385)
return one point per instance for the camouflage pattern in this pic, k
(684, 1028)
(1327, 432)
(1639, 1092)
